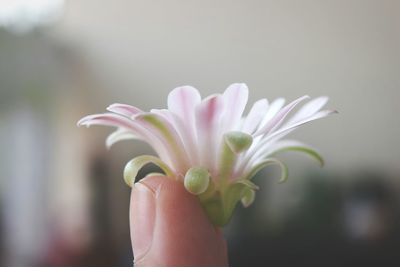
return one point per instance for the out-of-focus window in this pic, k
(24, 15)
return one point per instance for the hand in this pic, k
(170, 229)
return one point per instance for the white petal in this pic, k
(309, 109)
(279, 117)
(208, 119)
(288, 128)
(273, 108)
(258, 149)
(123, 109)
(255, 116)
(235, 98)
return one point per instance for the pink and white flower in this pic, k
(209, 144)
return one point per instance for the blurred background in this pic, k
(63, 202)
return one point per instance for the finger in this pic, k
(170, 228)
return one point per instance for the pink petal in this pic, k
(255, 116)
(279, 117)
(123, 109)
(182, 102)
(109, 119)
(208, 119)
(163, 129)
(235, 98)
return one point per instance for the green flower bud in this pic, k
(197, 180)
(238, 141)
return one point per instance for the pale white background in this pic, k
(348, 50)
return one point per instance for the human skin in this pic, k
(169, 227)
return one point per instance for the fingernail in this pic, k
(142, 219)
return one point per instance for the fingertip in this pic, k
(142, 215)
(182, 234)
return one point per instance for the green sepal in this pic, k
(248, 197)
(249, 184)
(305, 149)
(265, 163)
(155, 174)
(232, 196)
(234, 143)
(238, 141)
(133, 167)
(219, 204)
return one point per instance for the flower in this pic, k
(209, 145)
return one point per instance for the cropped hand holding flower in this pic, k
(209, 145)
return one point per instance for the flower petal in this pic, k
(285, 130)
(188, 140)
(208, 119)
(182, 103)
(165, 131)
(110, 119)
(107, 119)
(133, 167)
(260, 149)
(123, 109)
(279, 117)
(235, 98)
(309, 109)
(119, 135)
(255, 116)
(273, 108)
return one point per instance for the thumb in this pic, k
(170, 228)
